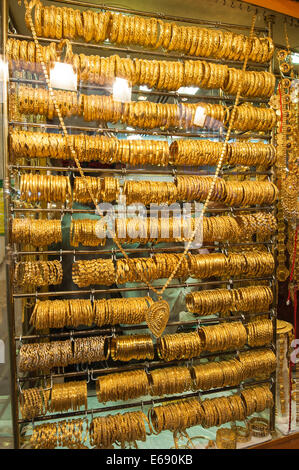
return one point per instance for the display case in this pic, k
(140, 199)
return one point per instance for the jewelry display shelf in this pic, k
(19, 380)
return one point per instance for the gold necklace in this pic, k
(287, 169)
(161, 310)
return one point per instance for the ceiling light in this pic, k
(63, 76)
(142, 98)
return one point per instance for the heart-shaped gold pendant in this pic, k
(157, 317)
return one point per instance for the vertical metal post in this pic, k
(270, 20)
(6, 195)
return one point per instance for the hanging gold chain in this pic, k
(29, 8)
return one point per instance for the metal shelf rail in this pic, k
(11, 253)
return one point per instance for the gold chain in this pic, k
(29, 8)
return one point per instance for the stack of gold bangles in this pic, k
(90, 148)
(97, 271)
(178, 415)
(157, 382)
(56, 22)
(110, 150)
(88, 232)
(90, 349)
(196, 188)
(61, 313)
(44, 436)
(254, 298)
(179, 346)
(61, 353)
(75, 312)
(130, 311)
(204, 152)
(106, 189)
(47, 188)
(125, 348)
(257, 363)
(152, 115)
(259, 332)
(246, 193)
(45, 355)
(175, 416)
(93, 232)
(123, 428)
(239, 193)
(22, 54)
(122, 386)
(220, 337)
(39, 102)
(82, 188)
(103, 272)
(218, 374)
(159, 74)
(34, 402)
(166, 381)
(224, 336)
(150, 192)
(38, 273)
(183, 414)
(68, 395)
(51, 188)
(257, 399)
(222, 410)
(141, 114)
(128, 270)
(65, 433)
(247, 263)
(37, 232)
(250, 117)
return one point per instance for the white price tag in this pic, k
(63, 76)
(121, 90)
(200, 116)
